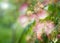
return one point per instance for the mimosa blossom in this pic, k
(23, 20)
(44, 27)
(42, 14)
(23, 8)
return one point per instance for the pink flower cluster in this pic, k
(44, 27)
(24, 19)
(40, 27)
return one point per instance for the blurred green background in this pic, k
(8, 17)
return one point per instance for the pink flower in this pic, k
(39, 29)
(33, 17)
(23, 19)
(49, 27)
(23, 8)
(42, 14)
(44, 27)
